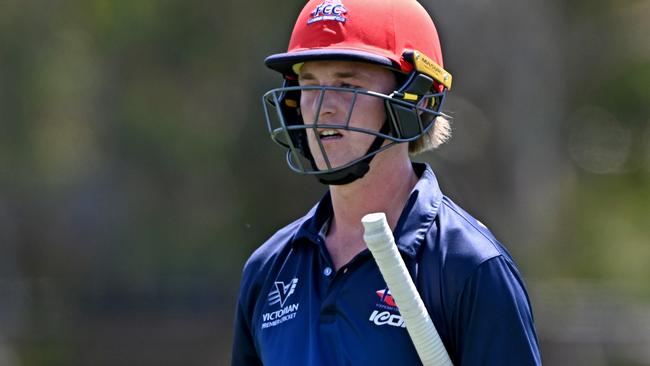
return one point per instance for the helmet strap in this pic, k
(358, 169)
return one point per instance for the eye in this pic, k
(309, 93)
(351, 86)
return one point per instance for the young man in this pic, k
(364, 87)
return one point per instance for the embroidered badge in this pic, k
(328, 10)
(279, 295)
(388, 316)
(282, 292)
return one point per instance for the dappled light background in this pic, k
(136, 174)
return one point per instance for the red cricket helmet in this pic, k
(383, 32)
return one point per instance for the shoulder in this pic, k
(267, 255)
(260, 266)
(466, 236)
(462, 244)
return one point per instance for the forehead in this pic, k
(332, 69)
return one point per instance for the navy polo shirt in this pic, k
(294, 309)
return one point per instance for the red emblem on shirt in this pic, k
(386, 297)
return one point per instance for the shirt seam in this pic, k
(494, 244)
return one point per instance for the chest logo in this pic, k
(386, 297)
(279, 295)
(282, 292)
(388, 313)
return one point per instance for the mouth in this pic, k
(329, 134)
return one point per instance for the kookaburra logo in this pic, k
(282, 292)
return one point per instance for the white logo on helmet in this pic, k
(329, 10)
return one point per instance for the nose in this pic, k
(330, 106)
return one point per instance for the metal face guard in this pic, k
(408, 116)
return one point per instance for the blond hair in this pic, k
(434, 137)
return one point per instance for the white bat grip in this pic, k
(419, 325)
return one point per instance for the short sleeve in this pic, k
(493, 320)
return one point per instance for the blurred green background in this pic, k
(136, 174)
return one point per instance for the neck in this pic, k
(385, 188)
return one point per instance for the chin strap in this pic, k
(358, 169)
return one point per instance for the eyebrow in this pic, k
(340, 75)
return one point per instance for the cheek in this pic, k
(369, 112)
(307, 99)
